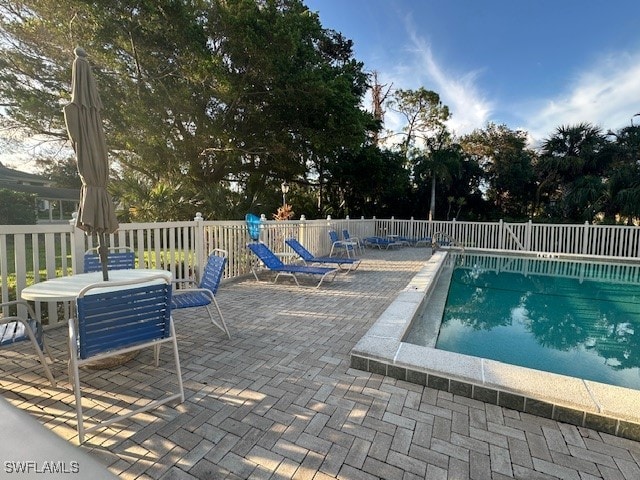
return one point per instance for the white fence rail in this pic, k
(33, 253)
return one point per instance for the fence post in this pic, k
(77, 245)
(528, 242)
(500, 235)
(198, 245)
(585, 237)
(264, 233)
(302, 229)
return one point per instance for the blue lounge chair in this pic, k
(307, 257)
(253, 225)
(425, 241)
(273, 263)
(382, 242)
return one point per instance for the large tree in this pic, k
(368, 181)
(425, 140)
(507, 164)
(205, 97)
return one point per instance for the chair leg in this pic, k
(255, 274)
(47, 370)
(222, 325)
(74, 373)
(74, 380)
(156, 354)
(177, 359)
(43, 360)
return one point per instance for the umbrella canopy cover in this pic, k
(84, 125)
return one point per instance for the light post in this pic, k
(636, 115)
(285, 189)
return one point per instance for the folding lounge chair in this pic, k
(405, 241)
(118, 258)
(381, 242)
(273, 263)
(203, 295)
(124, 317)
(346, 245)
(425, 241)
(16, 329)
(307, 257)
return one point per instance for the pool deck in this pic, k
(282, 400)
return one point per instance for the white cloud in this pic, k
(605, 95)
(469, 109)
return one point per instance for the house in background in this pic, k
(53, 204)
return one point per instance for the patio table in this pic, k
(66, 289)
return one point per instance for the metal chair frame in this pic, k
(358, 243)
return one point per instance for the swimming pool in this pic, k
(572, 317)
(384, 349)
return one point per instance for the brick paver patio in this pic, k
(279, 400)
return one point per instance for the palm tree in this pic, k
(571, 169)
(624, 182)
(440, 165)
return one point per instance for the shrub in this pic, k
(17, 208)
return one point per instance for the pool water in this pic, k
(580, 319)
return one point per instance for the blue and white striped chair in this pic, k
(336, 244)
(203, 294)
(118, 258)
(358, 243)
(123, 317)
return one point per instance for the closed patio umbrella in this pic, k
(96, 214)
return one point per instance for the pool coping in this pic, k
(605, 408)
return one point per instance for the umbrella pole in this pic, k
(102, 251)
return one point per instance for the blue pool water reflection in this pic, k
(580, 319)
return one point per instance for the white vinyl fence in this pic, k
(33, 253)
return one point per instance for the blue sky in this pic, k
(530, 64)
